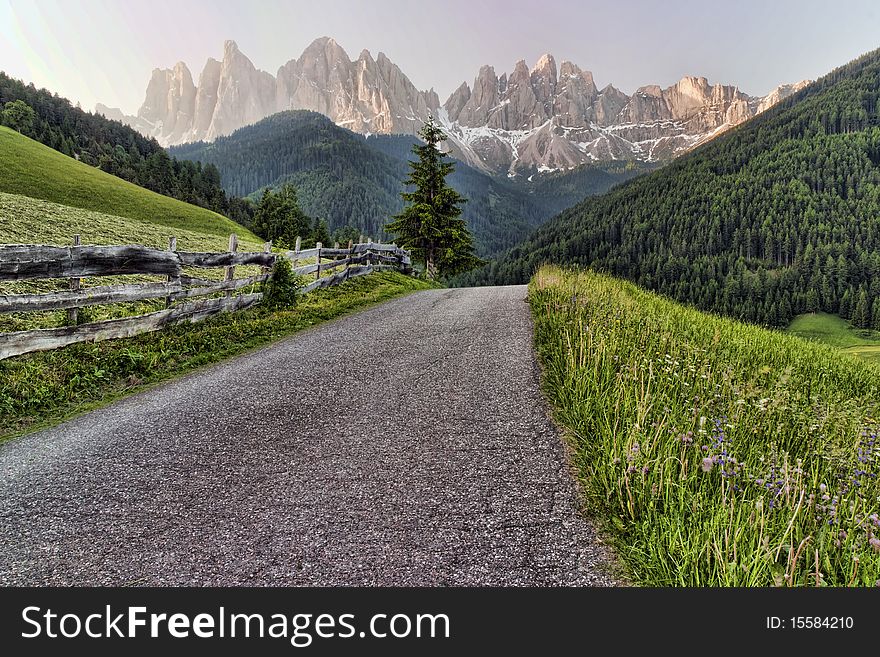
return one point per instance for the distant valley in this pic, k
(353, 180)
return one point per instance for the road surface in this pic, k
(407, 444)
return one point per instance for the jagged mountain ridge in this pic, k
(531, 120)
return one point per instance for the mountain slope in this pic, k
(780, 216)
(115, 148)
(529, 121)
(28, 168)
(349, 179)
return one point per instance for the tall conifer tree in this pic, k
(431, 225)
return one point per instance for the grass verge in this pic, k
(715, 452)
(42, 389)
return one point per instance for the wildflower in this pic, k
(875, 543)
(707, 464)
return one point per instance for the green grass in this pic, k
(25, 220)
(41, 389)
(715, 452)
(28, 168)
(837, 332)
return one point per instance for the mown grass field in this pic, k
(28, 168)
(44, 388)
(716, 453)
(837, 332)
(25, 220)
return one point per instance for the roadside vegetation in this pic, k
(716, 453)
(44, 388)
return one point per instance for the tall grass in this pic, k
(718, 453)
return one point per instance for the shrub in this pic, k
(282, 287)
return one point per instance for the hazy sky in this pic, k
(103, 50)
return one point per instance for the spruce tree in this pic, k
(875, 315)
(431, 225)
(862, 312)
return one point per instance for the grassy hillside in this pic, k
(837, 332)
(25, 220)
(777, 216)
(716, 452)
(29, 168)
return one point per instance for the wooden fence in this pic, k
(179, 290)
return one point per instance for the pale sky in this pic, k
(104, 50)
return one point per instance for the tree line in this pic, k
(778, 217)
(113, 147)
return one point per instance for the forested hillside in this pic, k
(113, 147)
(778, 217)
(351, 180)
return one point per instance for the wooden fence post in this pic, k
(318, 270)
(267, 248)
(172, 246)
(230, 270)
(296, 251)
(75, 284)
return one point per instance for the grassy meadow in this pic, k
(837, 332)
(716, 453)
(25, 220)
(28, 168)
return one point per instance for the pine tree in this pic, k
(875, 315)
(812, 300)
(862, 312)
(278, 217)
(846, 304)
(431, 225)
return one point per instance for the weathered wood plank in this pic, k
(23, 262)
(336, 279)
(208, 260)
(172, 246)
(301, 255)
(23, 342)
(305, 269)
(373, 246)
(91, 296)
(331, 253)
(74, 285)
(218, 286)
(106, 294)
(193, 280)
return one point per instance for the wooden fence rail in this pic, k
(22, 262)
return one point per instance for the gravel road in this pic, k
(407, 444)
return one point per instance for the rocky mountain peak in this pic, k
(543, 117)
